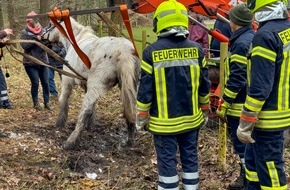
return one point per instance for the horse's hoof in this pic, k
(68, 146)
(130, 142)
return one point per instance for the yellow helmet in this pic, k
(170, 13)
(254, 5)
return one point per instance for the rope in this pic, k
(50, 52)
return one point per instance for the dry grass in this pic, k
(32, 158)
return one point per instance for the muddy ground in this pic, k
(32, 157)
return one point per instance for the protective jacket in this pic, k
(236, 70)
(175, 83)
(269, 89)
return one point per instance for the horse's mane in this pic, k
(79, 29)
(79, 32)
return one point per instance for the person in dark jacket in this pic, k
(265, 113)
(35, 72)
(225, 29)
(235, 90)
(173, 96)
(4, 99)
(60, 50)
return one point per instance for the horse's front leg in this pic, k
(85, 119)
(66, 90)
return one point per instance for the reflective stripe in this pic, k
(174, 63)
(165, 179)
(230, 93)
(146, 67)
(4, 98)
(190, 187)
(238, 58)
(204, 63)
(204, 99)
(275, 119)
(4, 92)
(161, 92)
(273, 174)
(175, 125)
(143, 107)
(171, 11)
(273, 124)
(192, 175)
(167, 12)
(265, 53)
(251, 176)
(274, 188)
(249, 73)
(195, 75)
(235, 109)
(227, 69)
(254, 104)
(283, 89)
(274, 114)
(161, 188)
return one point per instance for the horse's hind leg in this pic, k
(66, 90)
(84, 120)
(131, 133)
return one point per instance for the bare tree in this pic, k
(44, 8)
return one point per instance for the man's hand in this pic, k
(142, 119)
(222, 110)
(8, 31)
(246, 126)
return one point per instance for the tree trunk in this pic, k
(116, 16)
(11, 15)
(44, 8)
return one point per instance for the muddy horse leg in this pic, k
(85, 118)
(66, 91)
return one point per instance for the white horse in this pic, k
(113, 61)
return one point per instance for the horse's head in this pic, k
(51, 33)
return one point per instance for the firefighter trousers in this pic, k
(166, 147)
(264, 161)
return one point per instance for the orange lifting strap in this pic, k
(126, 20)
(55, 15)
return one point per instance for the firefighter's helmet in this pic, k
(170, 13)
(254, 5)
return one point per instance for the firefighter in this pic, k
(234, 95)
(173, 96)
(266, 111)
(5, 103)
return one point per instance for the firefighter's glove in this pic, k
(205, 108)
(222, 110)
(246, 126)
(142, 119)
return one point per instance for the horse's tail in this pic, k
(128, 74)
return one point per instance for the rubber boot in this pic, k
(239, 182)
(47, 106)
(37, 106)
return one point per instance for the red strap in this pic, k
(55, 15)
(205, 107)
(247, 118)
(126, 20)
(143, 114)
